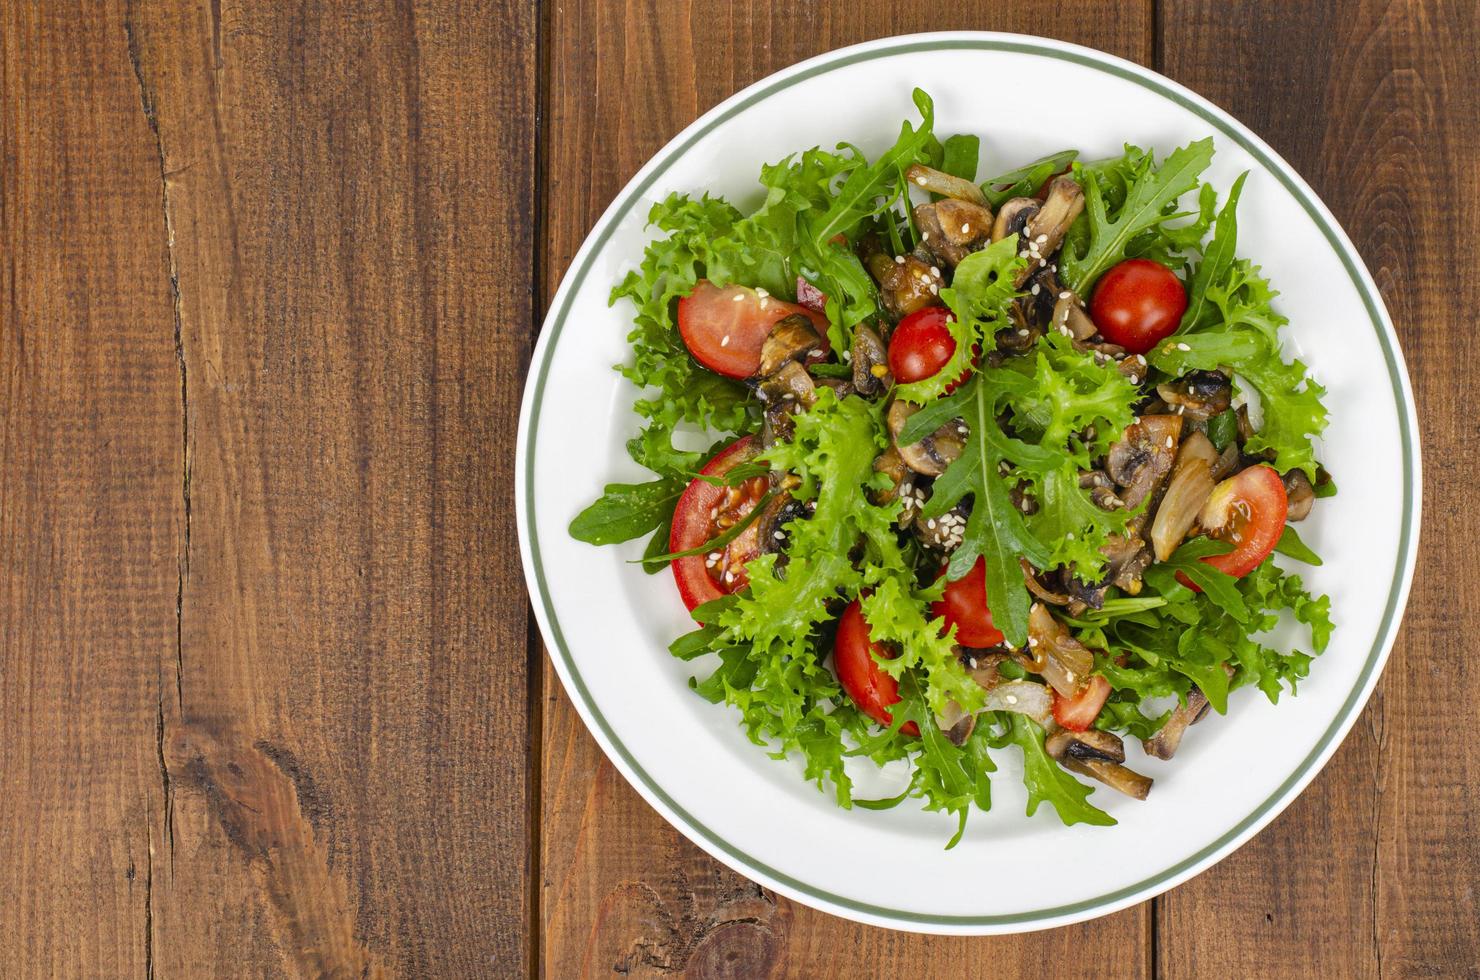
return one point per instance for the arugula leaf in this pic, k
(626, 510)
(1217, 258)
(1047, 782)
(959, 156)
(1290, 545)
(1217, 586)
(1147, 199)
(1025, 180)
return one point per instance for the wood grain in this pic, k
(276, 253)
(622, 892)
(89, 499)
(1373, 870)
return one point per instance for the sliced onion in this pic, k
(1023, 697)
(1062, 660)
(1192, 482)
(948, 185)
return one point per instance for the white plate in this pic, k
(607, 624)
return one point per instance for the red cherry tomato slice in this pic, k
(921, 345)
(1079, 712)
(1247, 510)
(869, 687)
(964, 606)
(725, 328)
(1137, 304)
(698, 517)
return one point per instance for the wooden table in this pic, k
(271, 701)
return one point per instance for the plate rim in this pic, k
(1166, 878)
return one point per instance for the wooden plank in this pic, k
(90, 480)
(344, 730)
(1373, 870)
(621, 890)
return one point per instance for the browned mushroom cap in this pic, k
(1045, 231)
(1069, 317)
(932, 454)
(771, 535)
(1126, 557)
(790, 390)
(889, 463)
(1163, 745)
(791, 338)
(955, 723)
(1198, 395)
(951, 230)
(1013, 217)
(1091, 744)
(947, 185)
(1101, 490)
(1302, 495)
(1098, 755)
(870, 361)
(906, 282)
(1144, 456)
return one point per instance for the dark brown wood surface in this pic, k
(270, 703)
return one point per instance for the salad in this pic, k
(995, 465)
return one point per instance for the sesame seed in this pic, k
(1169, 442)
(930, 523)
(920, 181)
(738, 297)
(1023, 332)
(762, 293)
(935, 271)
(1041, 239)
(1070, 535)
(1034, 290)
(934, 290)
(778, 536)
(925, 236)
(714, 556)
(725, 341)
(847, 355)
(1069, 675)
(1011, 699)
(966, 228)
(1042, 263)
(1135, 379)
(1032, 641)
(899, 260)
(1183, 347)
(1065, 294)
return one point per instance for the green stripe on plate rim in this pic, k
(632, 194)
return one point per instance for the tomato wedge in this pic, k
(964, 606)
(1079, 712)
(704, 511)
(853, 658)
(724, 328)
(1248, 510)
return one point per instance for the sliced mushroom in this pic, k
(1014, 216)
(1126, 557)
(1069, 317)
(792, 338)
(1301, 494)
(955, 723)
(1227, 461)
(1187, 491)
(771, 535)
(1089, 744)
(1112, 774)
(932, 454)
(1163, 745)
(947, 185)
(870, 361)
(889, 463)
(1144, 456)
(906, 282)
(1039, 587)
(950, 230)
(1045, 230)
(942, 534)
(789, 390)
(1198, 395)
(1098, 755)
